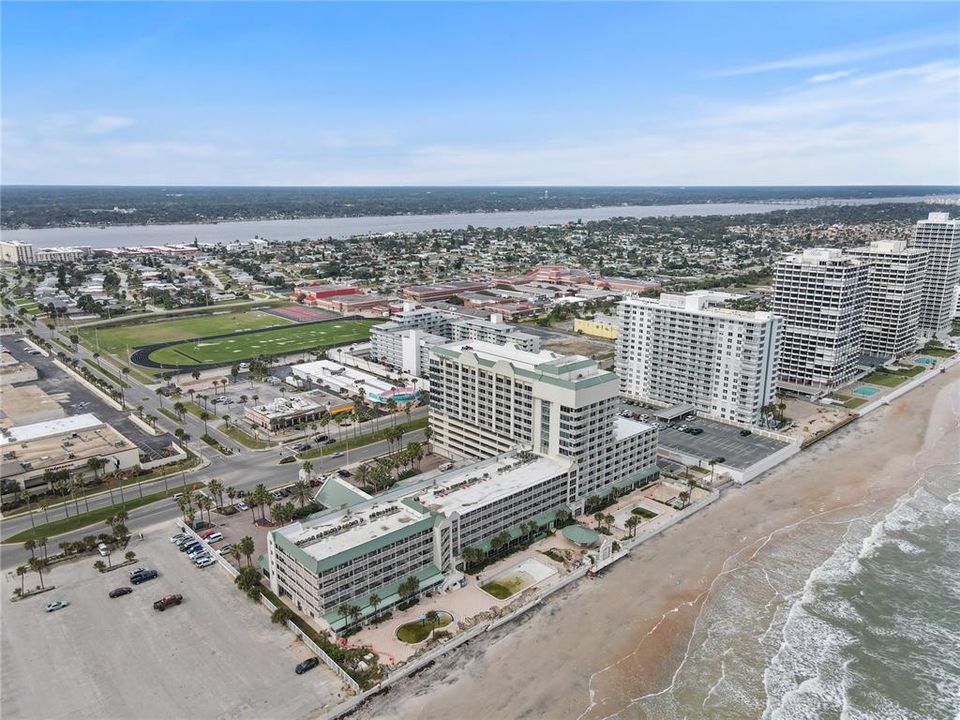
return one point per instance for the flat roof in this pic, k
(337, 532)
(283, 406)
(49, 428)
(489, 481)
(625, 427)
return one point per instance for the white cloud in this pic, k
(830, 77)
(105, 124)
(846, 55)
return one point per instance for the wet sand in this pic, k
(587, 652)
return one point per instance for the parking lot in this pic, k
(718, 440)
(216, 655)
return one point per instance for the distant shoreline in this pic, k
(285, 230)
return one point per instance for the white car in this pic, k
(201, 557)
(225, 550)
(56, 605)
(205, 562)
(242, 506)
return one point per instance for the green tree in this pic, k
(282, 615)
(374, 601)
(100, 566)
(247, 547)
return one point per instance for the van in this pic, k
(445, 466)
(215, 538)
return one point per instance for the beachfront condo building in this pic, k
(403, 341)
(940, 237)
(486, 399)
(15, 252)
(895, 279)
(819, 295)
(682, 349)
(364, 546)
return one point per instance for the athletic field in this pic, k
(277, 341)
(115, 340)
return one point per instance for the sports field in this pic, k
(289, 339)
(116, 339)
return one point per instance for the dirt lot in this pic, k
(215, 656)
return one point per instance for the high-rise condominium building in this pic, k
(891, 316)
(16, 252)
(680, 349)
(940, 237)
(486, 399)
(820, 295)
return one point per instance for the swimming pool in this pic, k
(924, 360)
(865, 391)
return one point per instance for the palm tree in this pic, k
(301, 490)
(374, 601)
(159, 393)
(179, 408)
(30, 545)
(415, 453)
(42, 544)
(37, 565)
(204, 415)
(247, 547)
(215, 486)
(392, 409)
(22, 574)
(344, 612)
(600, 518)
(236, 553)
(231, 494)
(632, 523)
(307, 468)
(362, 475)
(355, 613)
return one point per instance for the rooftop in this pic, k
(490, 480)
(339, 531)
(49, 428)
(282, 407)
(625, 427)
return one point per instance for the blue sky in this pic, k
(512, 93)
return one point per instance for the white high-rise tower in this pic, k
(940, 237)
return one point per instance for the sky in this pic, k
(296, 93)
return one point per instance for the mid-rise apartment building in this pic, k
(16, 252)
(394, 343)
(681, 349)
(486, 399)
(820, 295)
(895, 279)
(940, 237)
(367, 546)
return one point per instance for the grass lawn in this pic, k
(419, 630)
(75, 522)
(291, 339)
(854, 403)
(353, 442)
(886, 379)
(106, 373)
(934, 351)
(910, 371)
(115, 339)
(243, 438)
(504, 588)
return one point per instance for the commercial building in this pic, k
(394, 344)
(16, 252)
(349, 381)
(364, 546)
(940, 237)
(310, 294)
(486, 399)
(895, 279)
(12, 371)
(284, 413)
(63, 444)
(427, 293)
(683, 349)
(820, 294)
(601, 326)
(61, 254)
(29, 404)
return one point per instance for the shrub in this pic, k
(287, 459)
(281, 615)
(442, 635)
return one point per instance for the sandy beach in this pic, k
(601, 646)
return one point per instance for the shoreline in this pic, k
(597, 646)
(293, 229)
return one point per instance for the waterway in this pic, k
(287, 230)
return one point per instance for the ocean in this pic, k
(870, 633)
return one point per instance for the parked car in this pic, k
(178, 536)
(205, 562)
(225, 550)
(308, 664)
(56, 605)
(321, 438)
(744, 433)
(300, 447)
(344, 473)
(215, 538)
(329, 441)
(144, 576)
(103, 550)
(190, 547)
(168, 601)
(695, 431)
(120, 592)
(242, 506)
(207, 533)
(316, 482)
(137, 571)
(201, 557)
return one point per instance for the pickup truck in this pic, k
(169, 601)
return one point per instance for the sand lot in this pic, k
(214, 656)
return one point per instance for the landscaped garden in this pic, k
(885, 379)
(419, 630)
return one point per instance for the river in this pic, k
(286, 230)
